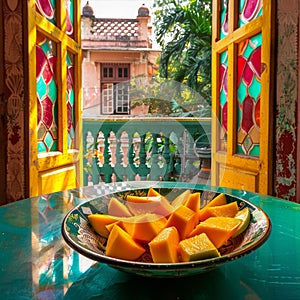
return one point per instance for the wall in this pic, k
(287, 90)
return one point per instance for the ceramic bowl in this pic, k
(80, 236)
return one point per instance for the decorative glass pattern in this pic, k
(47, 9)
(223, 90)
(249, 10)
(70, 17)
(46, 89)
(248, 96)
(70, 100)
(224, 19)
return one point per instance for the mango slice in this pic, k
(163, 247)
(181, 199)
(121, 245)
(152, 192)
(196, 248)
(226, 210)
(165, 207)
(193, 201)
(145, 227)
(99, 222)
(218, 229)
(184, 219)
(217, 201)
(117, 208)
(156, 204)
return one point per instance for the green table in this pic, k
(36, 263)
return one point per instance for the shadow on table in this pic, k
(103, 282)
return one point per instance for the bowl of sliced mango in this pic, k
(165, 230)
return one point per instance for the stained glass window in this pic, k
(223, 93)
(70, 17)
(249, 10)
(224, 18)
(46, 94)
(248, 96)
(47, 9)
(70, 100)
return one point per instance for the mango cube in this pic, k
(163, 247)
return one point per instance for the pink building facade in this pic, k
(115, 52)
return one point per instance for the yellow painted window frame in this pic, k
(65, 44)
(265, 25)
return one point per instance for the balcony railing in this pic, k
(121, 149)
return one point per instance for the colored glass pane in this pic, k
(248, 96)
(223, 96)
(46, 90)
(70, 17)
(47, 9)
(70, 100)
(224, 19)
(249, 10)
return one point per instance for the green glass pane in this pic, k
(242, 91)
(41, 88)
(255, 151)
(54, 145)
(254, 88)
(48, 140)
(52, 91)
(223, 98)
(71, 97)
(41, 147)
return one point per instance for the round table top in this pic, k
(36, 262)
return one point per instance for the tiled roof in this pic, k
(115, 28)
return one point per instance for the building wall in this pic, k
(106, 41)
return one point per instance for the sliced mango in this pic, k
(144, 227)
(181, 198)
(163, 247)
(143, 199)
(121, 245)
(226, 210)
(152, 192)
(193, 201)
(217, 201)
(117, 208)
(196, 248)
(218, 229)
(184, 219)
(140, 208)
(99, 222)
(156, 204)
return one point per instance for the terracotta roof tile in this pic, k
(105, 28)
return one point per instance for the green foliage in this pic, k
(183, 30)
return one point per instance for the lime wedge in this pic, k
(244, 215)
